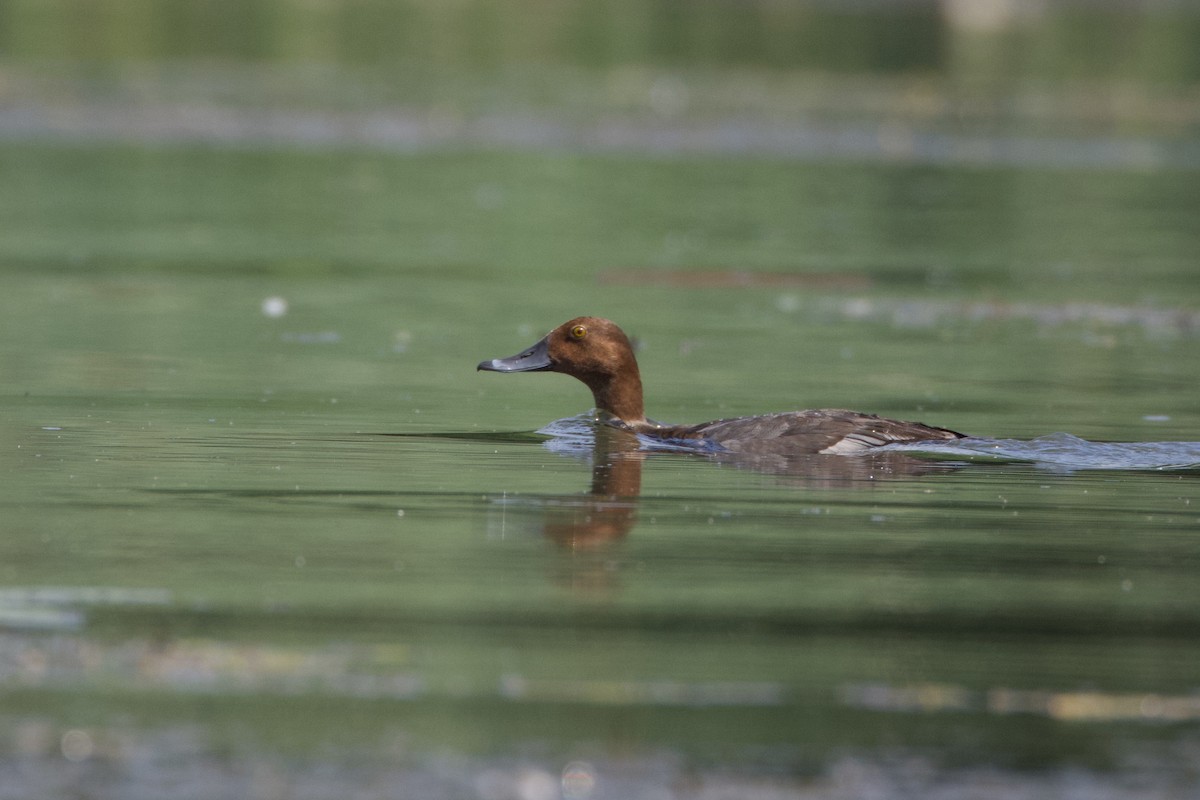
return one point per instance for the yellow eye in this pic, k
(578, 332)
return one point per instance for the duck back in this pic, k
(831, 431)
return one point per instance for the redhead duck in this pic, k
(597, 352)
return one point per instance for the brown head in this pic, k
(595, 351)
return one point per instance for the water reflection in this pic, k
(608, 511)
(818, 471)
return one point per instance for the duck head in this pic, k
(593, 350)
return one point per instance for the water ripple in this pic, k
(575, 436)
(1064, 451)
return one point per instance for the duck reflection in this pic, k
(608, 511)
(587, 528)
(815, 471)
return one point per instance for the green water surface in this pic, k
(313, 553)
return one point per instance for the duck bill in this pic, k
(535, 359)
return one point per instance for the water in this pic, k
(1066, 452)
(266, 532)
(300, 594)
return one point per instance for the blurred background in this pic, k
(542, 135)
(902, 163)
(243, 241)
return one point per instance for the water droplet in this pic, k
(578, 780)
(77, 745)
(274, 306)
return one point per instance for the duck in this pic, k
(597, 352)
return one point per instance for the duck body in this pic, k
(828, 431)
(598, 353)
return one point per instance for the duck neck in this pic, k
(620, 395)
